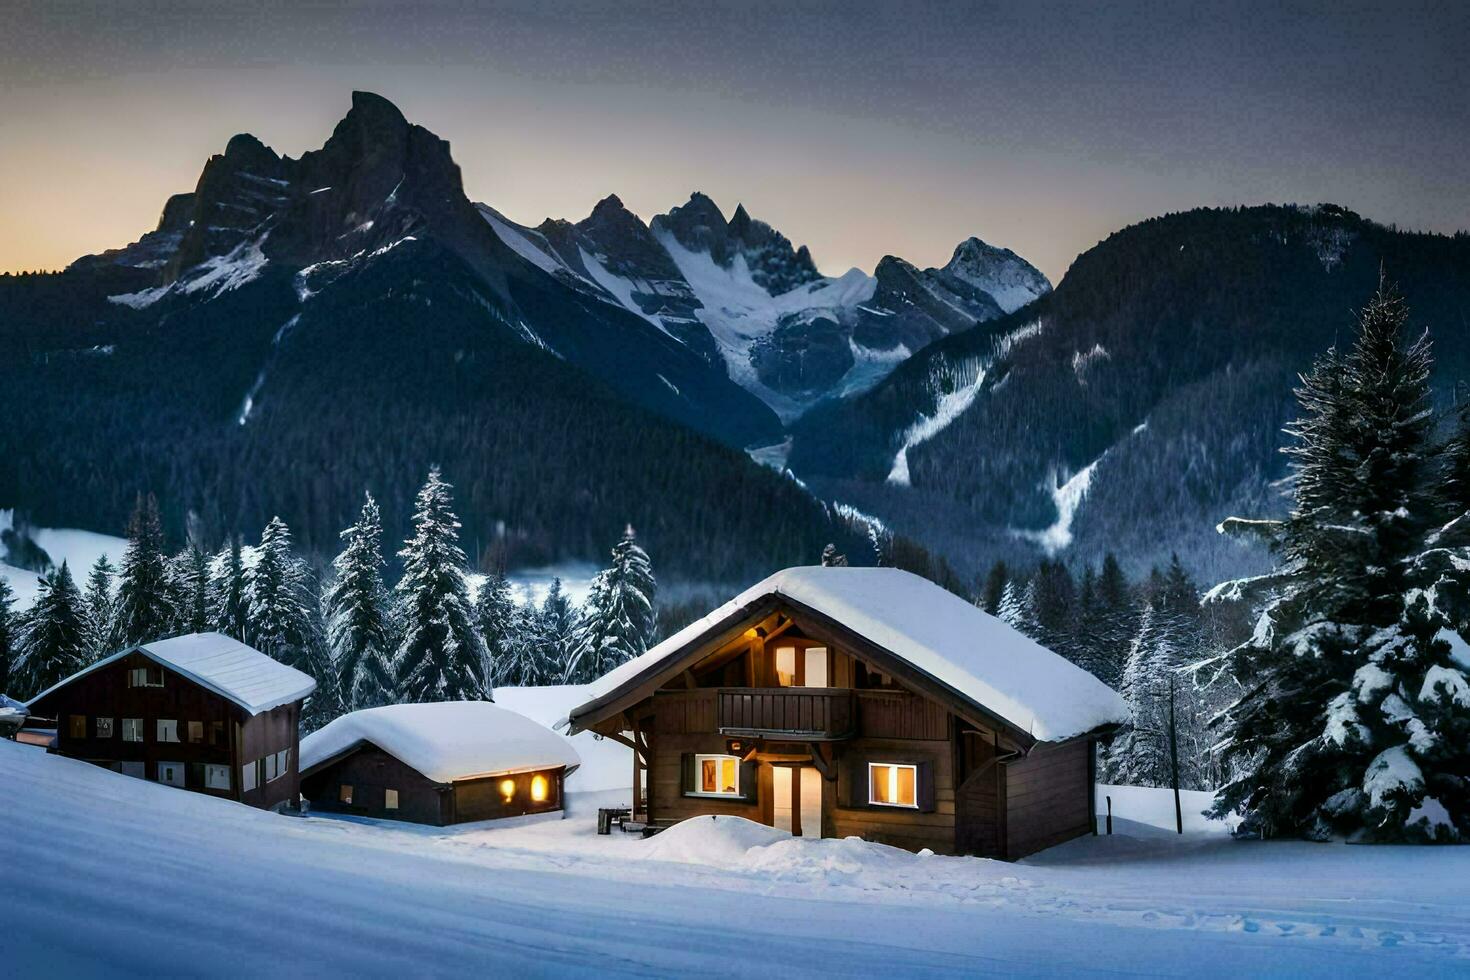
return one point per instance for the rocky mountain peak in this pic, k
(1009, 279)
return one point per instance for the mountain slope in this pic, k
(1139, 403)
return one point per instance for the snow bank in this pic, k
(79, 549)
(445, 740)
(719, 841)
(997, 667)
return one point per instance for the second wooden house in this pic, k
(868, 702)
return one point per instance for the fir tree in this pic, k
(52, 640)
(1352, 719)
(1119, 623)
(357, 621)
(440, 657)
(994, 588)
(498, 621)
(832, 558)
(285, 621)
(620, 617)
(1012, 609)
(229, 605)
(188, 581)
(551, 635)
(143, 608)
(8, 639)
(100, 608)
(518, 663)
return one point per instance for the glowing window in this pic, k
(717, 775)
(786, 666)
(507, 789)
(891, 784)
(78, 726)
(390, 799)
(540, 787)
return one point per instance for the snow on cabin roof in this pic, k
(221, 664)
(446, 740)
(999, 668)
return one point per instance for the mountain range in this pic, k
(294, 332)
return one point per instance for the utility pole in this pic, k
(1174, 759)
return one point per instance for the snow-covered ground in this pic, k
(109, 875)
(80, 549)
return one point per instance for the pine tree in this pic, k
(357, 621)
(9, 627)
(229, 605)
(994, 588)
(1012, 610)
(620, 618)
(551, 635)
(285, 620)
(518, 663)
(832, 558)
(52, 641)
(1120, 620)
(188, 589)
(100, 609)
(497, 619)
(143, 608)
(1054, 607)
(440, 657)
(1352, 719)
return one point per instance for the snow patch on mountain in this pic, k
(951, 406)
(218, 274)
(1067, 496)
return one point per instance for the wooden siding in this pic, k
(899, 714)
(481, 799)
(848, 812)
(370, 771)
(666, 780)
(979, 815)
(1048, 797)
(821, 712)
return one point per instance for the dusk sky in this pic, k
(856, 130)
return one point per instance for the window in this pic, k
(893, 784)
(801, 666)
(134, 769)
(145, 677)
(132, 729)
(77, 726)
(171, 773)
(249, 776)
(390, 799)
(717, 775)
(104, 728)
(271, 772)
(216, 777)
(168, 730)
(196, 732)
(217, 733)
(344, 794)
(786, 666)
(540, 788)
(277, 764)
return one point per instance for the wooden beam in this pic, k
(689, 682)
(827, 767)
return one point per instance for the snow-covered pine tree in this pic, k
(440, 657)
(100, 611)
(8, 629)
(188, 584)
(832, 558)
(497, 620)
(552, 634)
(52, 642)
(620, 618)
(1011, 610)
(229, 604)
(357, 619)
(1352, 716)
(143, 609)
(519, 661)
(994, 588)
(285, 619)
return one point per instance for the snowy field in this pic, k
(109, 875)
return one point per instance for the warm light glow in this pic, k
(892, 785)
(719, 775)
(539, 787)
(507, 789)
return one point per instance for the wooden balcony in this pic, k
(815, 714)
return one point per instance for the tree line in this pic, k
(427, 637)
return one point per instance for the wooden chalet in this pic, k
(202, 712)
(439, 763)
(837, 702)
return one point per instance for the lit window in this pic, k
(168, 730)
(507, 789)
(132, 729)
(786, 666)
(104, 728)
(196, 732)
(216, 777)
(344, 793)
(77, 726)
(540, 786)
(390, 799)
(717, 775)
(890, 784)
(145, 677)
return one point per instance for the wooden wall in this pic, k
(481, 799)
(370, 771)
(1048, 797)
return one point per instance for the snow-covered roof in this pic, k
(445, 740)
(1000, 669)
(221, 664)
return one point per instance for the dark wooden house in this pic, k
(867, 702)
(201, 712)
(439, 763)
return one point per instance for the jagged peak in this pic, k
(374, 107)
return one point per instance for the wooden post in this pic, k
(1110, 815)
(1174, 759)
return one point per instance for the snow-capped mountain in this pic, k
(739, 294)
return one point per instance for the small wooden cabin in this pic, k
(438, 763)
(202, 712)
(868, 702)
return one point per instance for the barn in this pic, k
(438, 763)
(835, 702)
(201, 712)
